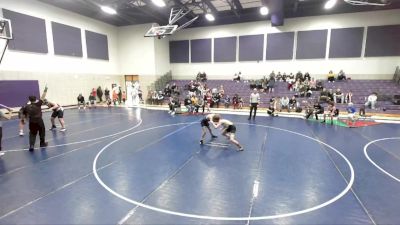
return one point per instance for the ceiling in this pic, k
(132, 12)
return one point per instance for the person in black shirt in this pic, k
(107, 94)
(33, 111)
(318, 109)
(81, 101)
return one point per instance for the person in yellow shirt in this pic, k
(331, 76)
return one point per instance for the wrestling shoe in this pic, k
(201, 142)
(63, 129)
(21, 133)
(241, 149)
(214, 136)
(53, 128)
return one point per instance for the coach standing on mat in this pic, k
(254, 101)
(33, 112)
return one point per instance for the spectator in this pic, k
(341, 75)
(92, 100)
(313, 84)
(240, 102)
(284, 77)
(324, 95)
(348, 97)
(271, 85)
(195, 103)
(114, 96)
(290, 82)
(317, 109)
(272, 75)
(227, 101)
(119, 95)
(221, 90)
(188, 104)
(272, 107)
(331, 112)
(81, 101)
(254, 101)
(173, 105)
(107, 94)
(123, 97)
(307, 76)
(99, 93)
(371, 100)
(338, 94)
(279, 77)
(331, 76)
(299, 76)
(237, 77)
(167, 91)
(160, 97)
(94, 92)
(293, 104)
(285, 103)
(3, 115)
(216, 98)
(319, 86)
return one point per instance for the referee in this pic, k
(254, 101)
(33, 111)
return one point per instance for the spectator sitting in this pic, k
(235, 101)
(313, 84)
(341, 75)
(237, 77)
(221, 90)
(317, 109)
(331, 112)
(348, 97)
(272, 107)
(188, 104)
(227, 101)
(173, 105)
(293, 104)
(330, 94)
(160, 97)
(203, 77)
(290, 82)
(371, 100)
(195, 103)
(240, 102)
(285, 103)
(92, 100)
(167, 90)
(331, 76)
(307, 76)
(284, 77)
(279, 77)
(338, 94)
(291, 76)
(299, 76)
(81, 101)
(216, 99)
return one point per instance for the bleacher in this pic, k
(386, 89)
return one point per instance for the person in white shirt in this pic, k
(284, 103)
(371, 101)
(254, 101)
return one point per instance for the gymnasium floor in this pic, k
(112, 160)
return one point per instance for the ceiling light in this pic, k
(210, 17)
(264, 10)
(159, 3)
(108, 10)
(330, 4)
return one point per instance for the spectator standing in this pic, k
(107, 94)
(254, 101)
(100, 94)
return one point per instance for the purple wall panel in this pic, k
(67, 40)
(200, 50)
(14, 93)
(311, 44)
(251, 47)
(179, 51)
(225, 49)
(29, 33)
(383, 41)
(280, 46)
(97, 45)
(346, 42)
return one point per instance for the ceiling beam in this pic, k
(180, 4)
(238, 5)
(211, 6)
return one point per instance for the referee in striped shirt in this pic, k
(254, 101)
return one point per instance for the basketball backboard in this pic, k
(161, 31)
(5, 29)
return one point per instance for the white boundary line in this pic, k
(80, 142)
(337, 197)
(373, 163)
